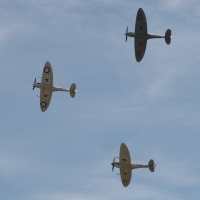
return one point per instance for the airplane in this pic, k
(46, 87)
(141, 35)
(126, 167)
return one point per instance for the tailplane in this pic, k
(151, 165)
(168, 36)
(73, 90)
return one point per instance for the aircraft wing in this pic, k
(47, 81)
(125, 165)
(140, 29)
(45, 99)
(47, 75)
(141, 23)
(125, 176)
(140, 48)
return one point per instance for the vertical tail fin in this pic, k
(168, 36)
(73, 90)
(151, 165)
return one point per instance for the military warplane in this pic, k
(141, 35)
(46, 87)
(126, 167)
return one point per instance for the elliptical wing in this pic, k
(140, 29)
(47, 81)
(47, 75)
(141, 22)
(125, 163)
(45, 99)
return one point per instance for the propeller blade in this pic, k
(34, 84)
(126, 33)
(113, 164)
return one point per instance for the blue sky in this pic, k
(152, 106)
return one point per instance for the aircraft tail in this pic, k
(151, 165)
(168, 36)
(73, 90)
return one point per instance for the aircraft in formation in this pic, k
(141, 35)
(46, 87)
(126, 167)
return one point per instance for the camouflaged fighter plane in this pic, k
(126, 167)
(141, 35)
(46, 87)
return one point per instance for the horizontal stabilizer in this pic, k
(151, 165)
(168, 36)
(73, 90)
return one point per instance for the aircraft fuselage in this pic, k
(132, 166)
(50, 88)
(143, 36)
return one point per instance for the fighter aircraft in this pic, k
(141, 35)
(126, 167)
(46, 87)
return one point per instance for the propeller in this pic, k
(113, 164)
(34, 84)
(126, 33)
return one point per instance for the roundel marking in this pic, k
(138, 53)
(125, 181)
(46, 70)
(43, 104)
(139, 17)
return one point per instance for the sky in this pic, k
(153, 107)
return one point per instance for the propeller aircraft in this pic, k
(46, 87)
(141, 35)
(126, 167)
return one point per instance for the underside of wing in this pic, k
(125, 165)
(47, 75)
(124, 155)
(45, 99)
(125, 176)
(141, 23)
(140, 48)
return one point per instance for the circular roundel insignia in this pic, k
(139, 17)
(138, 53)
(43, 104)
(124, 181)
(46, 70)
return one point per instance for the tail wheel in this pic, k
(46, 70)
(139, 17)
(43, 104)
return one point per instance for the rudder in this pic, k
(151, 165)
(168, 36)
(73, 90)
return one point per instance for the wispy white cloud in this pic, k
(172, 4)
(66, 152)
